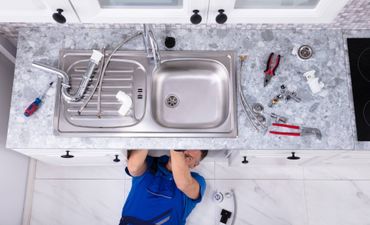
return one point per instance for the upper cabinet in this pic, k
(174, 11)
(139, 11)
(210, 11)
(276, 11)
(35, 10)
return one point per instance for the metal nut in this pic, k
(261, 118)
(257, 108)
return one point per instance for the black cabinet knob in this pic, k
(58, 17)
(116, 159)
(67, 155)
(221, 17)
(195, 18)
(245, 161)
(293, 157)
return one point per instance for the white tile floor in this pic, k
(266, 195)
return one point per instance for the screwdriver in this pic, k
(35, 105)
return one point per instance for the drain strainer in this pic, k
(305, 52)
(172, 101)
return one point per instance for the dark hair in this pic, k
(204, 154)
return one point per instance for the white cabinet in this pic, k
(277, 11)
(78, 157)
(180, 11)
(35, 10)
(139, 11)
(308, 158)
(280, 157)
(172, 11)
(101, 157)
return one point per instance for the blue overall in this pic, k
(155, 199)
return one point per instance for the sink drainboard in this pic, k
(121, 75)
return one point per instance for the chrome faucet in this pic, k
(151, 45)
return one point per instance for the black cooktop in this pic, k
(359, 62)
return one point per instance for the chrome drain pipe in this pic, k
(94, 61)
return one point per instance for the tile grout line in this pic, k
(225, 179)
(214, 170)
(306, 202)
(84, 179)
(28, 202)
(305, 195)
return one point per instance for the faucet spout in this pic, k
(151, 45)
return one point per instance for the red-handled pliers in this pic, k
(303, 131)
(271, 67)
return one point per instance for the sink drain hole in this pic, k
(172, 101)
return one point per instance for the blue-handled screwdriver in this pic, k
(35, 105)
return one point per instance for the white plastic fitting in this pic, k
(313, 82)
(126, 102)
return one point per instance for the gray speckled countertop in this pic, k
(331, 110)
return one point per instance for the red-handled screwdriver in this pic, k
(37, 103)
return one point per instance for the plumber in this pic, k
(164, 190)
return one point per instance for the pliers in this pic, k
(303, 131)
(271, 68)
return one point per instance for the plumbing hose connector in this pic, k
(96, 57)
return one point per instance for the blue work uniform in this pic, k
(155, 199)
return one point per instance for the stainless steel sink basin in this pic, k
(191, 94)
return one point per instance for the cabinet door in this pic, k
(139, 11)
(80, 158)
(277, 11)
(35, 10)
(280, 157)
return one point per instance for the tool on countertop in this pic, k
(285, 94)
(37, 102)
(258, 109)
(272, 65)
(278, 118)
(302, 131)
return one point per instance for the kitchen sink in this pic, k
(190, 94)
